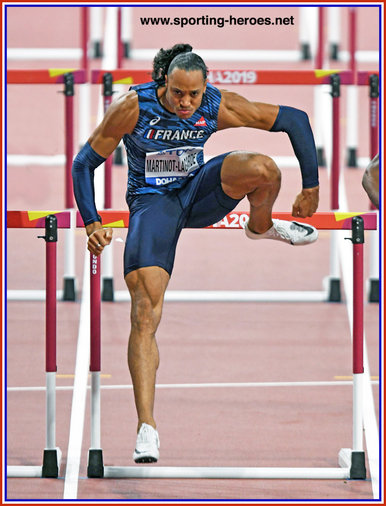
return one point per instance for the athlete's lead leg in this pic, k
(258, 177)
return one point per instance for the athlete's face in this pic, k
(184, 91)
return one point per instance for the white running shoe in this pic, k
(291, 232)
(147, 446)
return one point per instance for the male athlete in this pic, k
(164, 125)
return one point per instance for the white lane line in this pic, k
(79, 390)
(268, 384)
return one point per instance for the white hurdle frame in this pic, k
(351, 461)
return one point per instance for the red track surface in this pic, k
(199, 343)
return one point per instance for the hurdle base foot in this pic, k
(107, 289)
(51, 463)
(334, 293)
(352, 159)
(320, 157)
(69, 289)
(305, 51)
(95, 467)
(373, 290)
(355, 461)
(358, 467)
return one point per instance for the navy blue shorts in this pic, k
(156, 220)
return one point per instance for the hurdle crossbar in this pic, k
(351, 461)
(363, 76)
(235, 77)
(44, 76)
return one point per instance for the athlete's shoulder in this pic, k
(125, 104)
(211, 91)
(211, 100)
(122, 114)
(144, 87)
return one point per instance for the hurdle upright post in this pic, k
(95, 456)
(373, 293)
(69, 270)
(334, 291)
(51, 456)
(69, 136)
(352, 93)
(319, 57)
(335, 162)
(85, 29)
(107, 276)
(107, 99)
(374, 99)
(119, 38)
(355, 458)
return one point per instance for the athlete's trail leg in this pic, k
(147, 288)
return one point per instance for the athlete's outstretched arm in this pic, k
(237, 111)
(119, 119)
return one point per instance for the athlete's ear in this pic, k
(166, 80)
(205, 83)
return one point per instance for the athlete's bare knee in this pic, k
(265, 168)
(145, 316)
(147, 287)
(261, 172)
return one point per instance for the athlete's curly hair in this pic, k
(180, 56)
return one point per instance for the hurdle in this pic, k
(68, 77)
(334, 78)
(52, 453)
(351, 460)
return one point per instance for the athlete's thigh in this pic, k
(154, 227)
(210, 203)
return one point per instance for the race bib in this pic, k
(164, 167)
